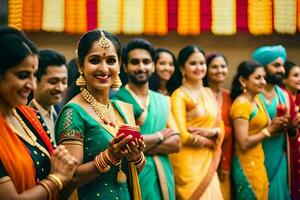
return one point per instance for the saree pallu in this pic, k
(192, 165)
(275, 149)
(156, 178)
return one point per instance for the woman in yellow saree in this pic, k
(251, 127)
(201, 130)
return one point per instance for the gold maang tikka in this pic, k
(103, 41)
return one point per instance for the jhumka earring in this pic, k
(81, 82)
(244, 88)
(117, 83)
(103, 41)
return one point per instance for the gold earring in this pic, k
(103, 41)
(117, 83)
(81, 82)
(244, 88)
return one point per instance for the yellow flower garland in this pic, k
(188, 17)
(285, 16)
(260, 17)
(223, 17)
(75, 16)
(53, 15)
(110, 15)
(15, 13)
(133, 16)
(155, 17)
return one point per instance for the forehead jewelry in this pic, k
(103, 41)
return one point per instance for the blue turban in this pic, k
(267, 54)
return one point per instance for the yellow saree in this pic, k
(195, 168)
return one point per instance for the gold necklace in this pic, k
(105, 113)
(29, 137)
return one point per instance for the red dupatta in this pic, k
(14, 155)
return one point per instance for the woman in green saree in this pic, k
(89, 122)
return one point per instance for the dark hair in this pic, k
(135, 43)
(14, 48)
(209, 59)
(288, 66)
(174, 81)
(83, 47)
(245, 69)
(49, 57)
(185, 53)
(87, 39)
(73, 74)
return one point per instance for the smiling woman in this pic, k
(30, 168)
(89, 122)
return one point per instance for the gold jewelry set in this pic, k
(103, 162)
(105, 44)
(29, 137)
(106, 113)
(52, 185)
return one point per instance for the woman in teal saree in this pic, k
(89, 123)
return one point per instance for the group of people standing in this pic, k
(198, 140)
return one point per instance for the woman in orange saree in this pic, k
(30, 168)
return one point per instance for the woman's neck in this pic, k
(101, 96)
(249, 96)
(215, 87)
(163, 86)
(193, 84)
(292, 91)
(5, 110)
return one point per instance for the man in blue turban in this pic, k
(274, 146)
(273, 58)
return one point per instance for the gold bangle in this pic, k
(46, 186)
(266, 132)
(112, 159)
(56, 180)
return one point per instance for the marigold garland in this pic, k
(133, 16)
(155, 17)
(75, 16)
(285, 16)
(53, 15)
(32, 15)
(260, 17)
(110, 15)
(242, 15)
(223, 17)
(205, 15)
(188, 17)
(15, 13)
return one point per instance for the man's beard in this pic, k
(274, 79)
(133, 79)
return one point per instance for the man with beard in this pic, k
(277, 104)
(51, 84)
(152, 113)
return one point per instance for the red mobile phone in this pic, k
(128, 129)
(280, 110)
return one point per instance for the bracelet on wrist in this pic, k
(266, 132)
(56, 181)
(101, 164)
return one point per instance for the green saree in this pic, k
(75, 124)
(156, 179)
